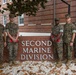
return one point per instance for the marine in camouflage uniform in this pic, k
(68, 38)
(56, 37)
(1, 42)
(12, 38)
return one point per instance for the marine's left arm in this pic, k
(73, 35)
(17, 33)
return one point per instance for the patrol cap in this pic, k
(67, 16)
(11, 15)
(57, 19)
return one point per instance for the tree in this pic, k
(30, 7)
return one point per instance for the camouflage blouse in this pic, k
(56, 30)
(69, 29)
(12, 28)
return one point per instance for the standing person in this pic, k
(2, 43)
(68, 38)
(12, 38)
(56, 37)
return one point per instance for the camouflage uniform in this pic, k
(57, 45)
(1, 42)
(69, 29)
(12, 28)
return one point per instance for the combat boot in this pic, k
(10, 63)
(1, 66)
(65, 61)
(15, 63)
(59, 64)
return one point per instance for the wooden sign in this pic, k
(35, 48)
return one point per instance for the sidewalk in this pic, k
(38, 68)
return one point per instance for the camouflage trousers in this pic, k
(58, 50)
(68, 51)
(1, 52)
(12, 48)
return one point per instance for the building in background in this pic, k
(38, 27)
(43, 20)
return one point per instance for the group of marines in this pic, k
(63, 38)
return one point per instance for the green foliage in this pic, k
(30, 7)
